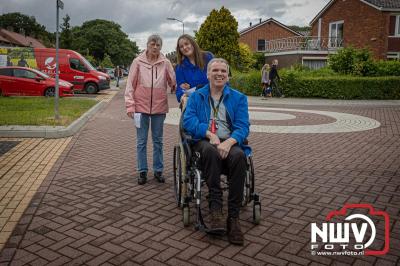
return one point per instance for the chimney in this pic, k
(250, 24)
(260, 20)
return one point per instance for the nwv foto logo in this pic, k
(349, 235)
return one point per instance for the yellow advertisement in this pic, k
(18, 56)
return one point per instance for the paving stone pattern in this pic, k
(90, 210)
(5, 146)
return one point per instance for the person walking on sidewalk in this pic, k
(274, 77)
(217, 117)
(266, 89)
(117, 74)
(147, 103)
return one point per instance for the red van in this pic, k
(73, 67)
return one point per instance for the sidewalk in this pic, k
(89, 209)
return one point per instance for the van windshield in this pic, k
(87, 63)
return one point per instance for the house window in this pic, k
(336, 34)
(261, 45)
(393, 56)
(397, 28)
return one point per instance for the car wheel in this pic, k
(49, 92)
(91, 88)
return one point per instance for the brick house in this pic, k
(256, 36)
(361, 23)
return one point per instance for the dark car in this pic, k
(23, 81)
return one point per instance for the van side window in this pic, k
(6, 72)
(77, 65)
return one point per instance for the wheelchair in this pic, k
(188, 181)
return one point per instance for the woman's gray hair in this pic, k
(154, 38)
(219, 60)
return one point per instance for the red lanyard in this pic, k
(214, 125)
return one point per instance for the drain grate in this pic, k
(5, 146)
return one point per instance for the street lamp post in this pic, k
(183, 24)
(60, 4)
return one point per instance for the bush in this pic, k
(387, 68)
(353, 61)
(306, 84)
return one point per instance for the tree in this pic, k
(107, 62)
(246, 58)
(103, 37)
(66, 35)
(26, 25)
(219, 35)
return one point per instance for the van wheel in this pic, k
(91, 88)
(49, 92)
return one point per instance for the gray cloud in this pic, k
(139, 18)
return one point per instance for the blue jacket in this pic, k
(198, 110)
(191, 74)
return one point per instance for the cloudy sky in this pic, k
(140, 18)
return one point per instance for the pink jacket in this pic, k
(146, 88)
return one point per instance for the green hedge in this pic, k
(300, 84)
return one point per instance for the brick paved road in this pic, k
(90, 210)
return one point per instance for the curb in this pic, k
(49, 132)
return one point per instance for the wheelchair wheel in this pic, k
(178, 175)
(256, 212)
(186, 215)
(249, 182)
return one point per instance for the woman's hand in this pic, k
(130, 114)
(185, 86)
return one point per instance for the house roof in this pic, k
(20, 39)
(2, 39)
(246, 30)
(381, 5)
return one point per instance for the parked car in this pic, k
(73, 67)
(23, 81)
(110, 72)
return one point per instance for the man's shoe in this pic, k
(235, 235)
(159, 176)
(217, 225)
(142, 178)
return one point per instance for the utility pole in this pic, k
(60, 4)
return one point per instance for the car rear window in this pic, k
(6, 72)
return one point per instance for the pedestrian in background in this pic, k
(146, 102)
(266, 90)
(117, 74)
(274, 77)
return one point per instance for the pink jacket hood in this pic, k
(146, 88)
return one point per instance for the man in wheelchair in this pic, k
(217, 118)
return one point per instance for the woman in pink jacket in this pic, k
(146, 102)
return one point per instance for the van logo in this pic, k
(50, 63)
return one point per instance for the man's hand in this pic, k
(225, 147)
(214, 140)
(185, 86)
(130, 114)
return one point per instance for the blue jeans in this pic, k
(157, 126)
(117, 79)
